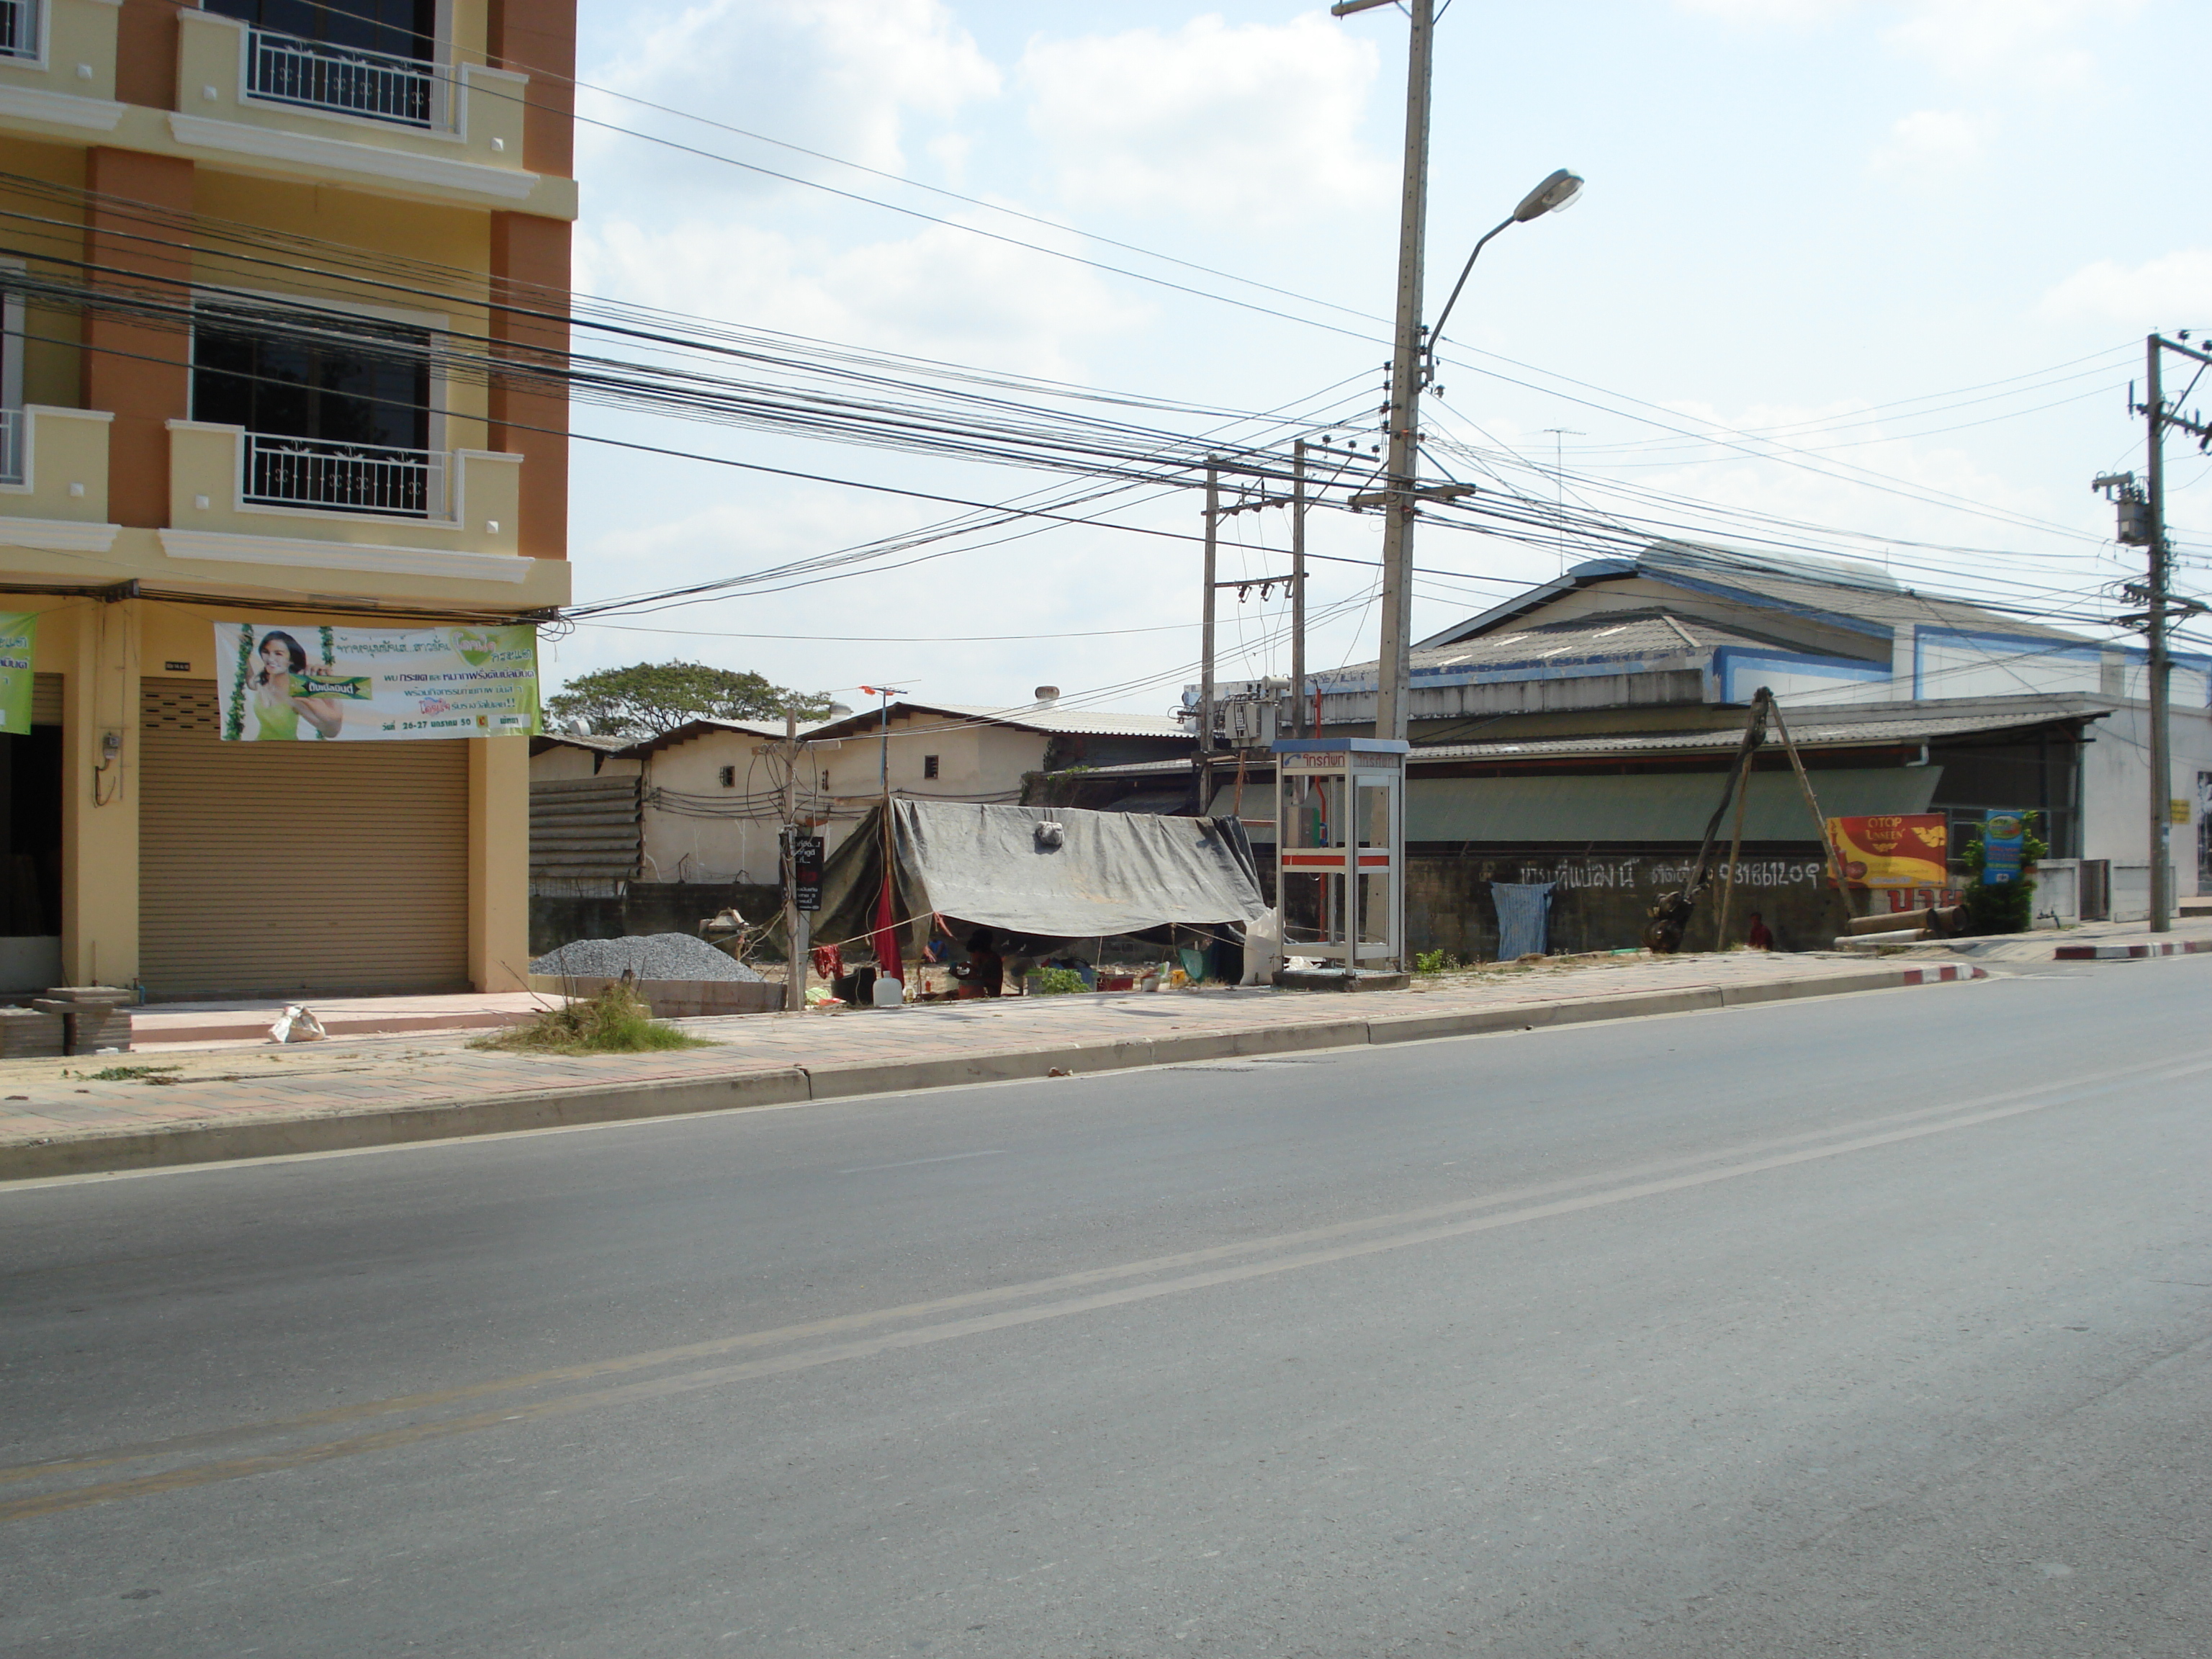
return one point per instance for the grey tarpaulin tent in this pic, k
(1112, 872)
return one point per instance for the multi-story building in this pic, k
(262, 260)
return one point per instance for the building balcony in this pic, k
(297, 108)
(245, 497)
(53, 479)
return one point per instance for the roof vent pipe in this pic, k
(1047, 695)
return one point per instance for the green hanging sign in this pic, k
(19, 642)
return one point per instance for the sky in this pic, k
(1857, 276)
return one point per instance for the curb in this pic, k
(320, 1131)
(2179, 947)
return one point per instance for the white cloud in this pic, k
(1931, 143)
(2171, 291)
(1259, 122)
(1769, 11)
(841, 76)
(942, 293)
(2042, 43)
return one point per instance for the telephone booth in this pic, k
(1339, 849)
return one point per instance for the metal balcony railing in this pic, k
(342, 478)
(19, 28)
(11, 446)
(290, 71)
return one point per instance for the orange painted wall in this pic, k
(538, 38)
(530, 272)
(141, 374)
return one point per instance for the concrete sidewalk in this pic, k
(165, 1025)
(131, 1111)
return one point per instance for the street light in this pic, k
(1555, 194)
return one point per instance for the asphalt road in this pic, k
(1872, 1327)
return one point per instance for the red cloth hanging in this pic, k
(886, 935)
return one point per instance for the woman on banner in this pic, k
(277, 706)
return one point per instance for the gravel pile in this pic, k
(654, 955)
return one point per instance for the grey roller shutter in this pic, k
(45, 700)
(586, 830)
(308, 867)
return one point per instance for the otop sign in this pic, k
(1892, 850)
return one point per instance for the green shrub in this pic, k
(1055, 981)
(612, 1023)
(1434, 962)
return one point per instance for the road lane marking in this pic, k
(2020, 1103)
(911, 1163)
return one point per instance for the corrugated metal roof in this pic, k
(1811, 728)
(1637, 636)
(1844, 592)
(598, 746)
(1026, 717)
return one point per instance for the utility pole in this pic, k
(1394, 660)
(1298, 588)
(2143, 523)
(794, 919)
(1205, 639)
(2161, 666)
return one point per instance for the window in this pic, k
(19, 29)
(929, 765)
(11, 380)
(368, 58)
(332, 420)
(729, 777)
(395, 28)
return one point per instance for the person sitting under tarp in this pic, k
(984, 973)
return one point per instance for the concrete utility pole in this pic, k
(794, 919)
(2143, 523)
(1298, 588)
(1206, 639)
(1393, 662)
(2161, 666)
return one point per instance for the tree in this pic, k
(649, 698)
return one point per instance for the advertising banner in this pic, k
(287, 681)
(19, 639)
(2001, 835)
(1909, 849)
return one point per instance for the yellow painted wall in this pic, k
(97, 645)
(499, 864)
(50, 371)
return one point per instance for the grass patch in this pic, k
(612, 1023)
(126, 1073)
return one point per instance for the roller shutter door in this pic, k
(45, 700)
(311, 867)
